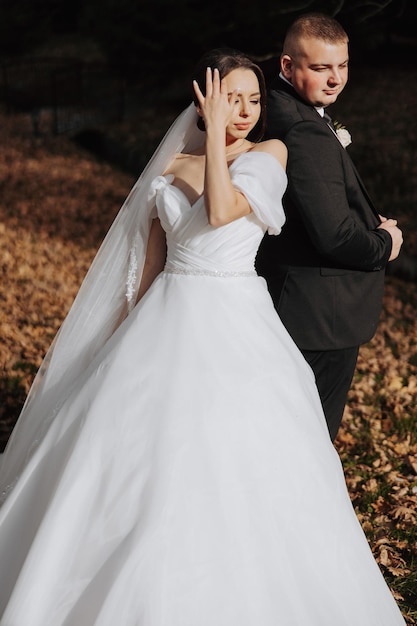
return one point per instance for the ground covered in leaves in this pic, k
(56, 203)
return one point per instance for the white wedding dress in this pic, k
(188, 478)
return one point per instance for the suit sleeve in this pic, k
(324, 187)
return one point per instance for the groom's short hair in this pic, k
(313, 26)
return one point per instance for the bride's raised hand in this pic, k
(216, 106)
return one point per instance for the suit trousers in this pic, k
(334, 371)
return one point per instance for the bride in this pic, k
(172, 464)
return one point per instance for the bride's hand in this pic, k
(217, 105)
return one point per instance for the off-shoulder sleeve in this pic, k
(261, 178)
(158, 184)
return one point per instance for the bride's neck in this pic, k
(236, 146)
(240, 145)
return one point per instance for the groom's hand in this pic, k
(390, 225)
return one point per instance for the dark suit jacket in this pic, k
(325, 271)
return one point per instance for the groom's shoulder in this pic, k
(279, 97)
(283, 109)
(282, 101)
(282, 92)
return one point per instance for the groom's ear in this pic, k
(286, 66)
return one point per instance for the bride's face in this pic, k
(247, 102)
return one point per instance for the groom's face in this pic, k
(317, 70)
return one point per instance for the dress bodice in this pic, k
(193, 244)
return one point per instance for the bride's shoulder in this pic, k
(275, 147)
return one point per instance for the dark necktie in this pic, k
(328, 119)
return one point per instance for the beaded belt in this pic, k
(218, 274)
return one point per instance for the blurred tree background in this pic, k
(155, 43)
(148, 49)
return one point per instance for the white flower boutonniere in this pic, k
(343, 134)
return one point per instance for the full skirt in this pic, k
(189, 480)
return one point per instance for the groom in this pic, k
(325, 272)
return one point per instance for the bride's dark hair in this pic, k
(226, 60)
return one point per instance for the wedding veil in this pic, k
(107, 294)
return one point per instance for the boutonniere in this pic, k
(343, 134)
